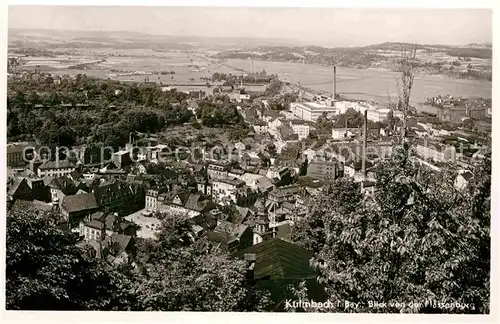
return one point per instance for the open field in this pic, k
(189, 68)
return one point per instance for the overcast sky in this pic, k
(316, 26)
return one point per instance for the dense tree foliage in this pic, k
(76, 110)
(219, 112)
(415, 240)
(354, 120)
(46, 271)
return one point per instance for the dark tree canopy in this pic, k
(46, 271)
(416, 239)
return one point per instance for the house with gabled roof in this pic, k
(60, 187)
(184, 203)
(119, 196)
(18, 188)
(99, 225)
(277, 259)
(276, 264)
(76, 207)
(235, 236)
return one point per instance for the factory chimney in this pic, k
(365, 131)
(334, 82)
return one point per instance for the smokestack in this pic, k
(365, 131)
(334, 82)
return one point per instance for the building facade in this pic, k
(300, 128)
(323, 170)
(55, 168)
(311, 111)
(222, 188)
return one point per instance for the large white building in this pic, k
(311, 111)
(377, 115)
(300, 128)
(222, 188)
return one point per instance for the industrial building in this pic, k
(311, 111)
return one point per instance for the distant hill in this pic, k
(455, 61)
(115, 39)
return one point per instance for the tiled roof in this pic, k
(280, 260)
(110, 192)
(243, 212)
(81, 202)
(231, 229)
(61, 183)
(122, 240)
(192, 201)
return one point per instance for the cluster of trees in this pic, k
(352, 57)
(282, 102)
(353, 119)
(81, 109)
(416, 239)
(219, 112)
(46, 271)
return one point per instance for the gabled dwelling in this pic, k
(115, 249)
(303, 205)
(269, 115)
(76, 207)
(311, 186)
(235, 236)
(26, 189)
(98, 225)
(55, 168)
(218, 170)
(152, 195)
(38, 189)
(119, 197)
(251, 161)
(184, 203)
(257, 182)
(283, 194)
(463, 179)
(60, 187)
(278, 173)
(242, 214)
